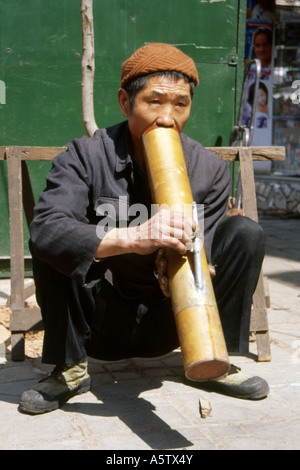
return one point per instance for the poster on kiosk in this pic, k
(259, 45)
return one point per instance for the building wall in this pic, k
(40, 67)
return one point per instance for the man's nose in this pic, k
(165, 119)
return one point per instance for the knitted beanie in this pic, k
(158, 57)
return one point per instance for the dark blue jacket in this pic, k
(98, 170)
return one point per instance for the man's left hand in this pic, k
(161, 268)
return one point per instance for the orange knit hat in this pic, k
(158, 57)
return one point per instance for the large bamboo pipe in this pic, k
(199, 329)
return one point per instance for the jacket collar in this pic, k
(123, 149)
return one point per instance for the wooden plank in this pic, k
(28, 292)
(17, 347)
(14, 175)
(229, 154)
(248, 183)
(35, 153)
(28, 197)
(25, 319)
(263, 347)
(259, 318)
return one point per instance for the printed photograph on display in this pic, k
(259, 44)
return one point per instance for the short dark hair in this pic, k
(139, 83)
(267, 32)
(261, 86)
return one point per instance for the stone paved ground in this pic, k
(143, 404)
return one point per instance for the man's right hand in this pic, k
(166, 229)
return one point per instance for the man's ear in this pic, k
(124, 104)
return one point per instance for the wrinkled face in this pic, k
(164, 102)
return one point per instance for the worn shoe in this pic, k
(239, 385)
(56, 389)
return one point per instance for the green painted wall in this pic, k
(40, 64)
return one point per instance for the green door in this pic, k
(40, 65)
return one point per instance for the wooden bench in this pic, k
(20, 196)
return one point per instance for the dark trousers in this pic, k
(80, 321)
